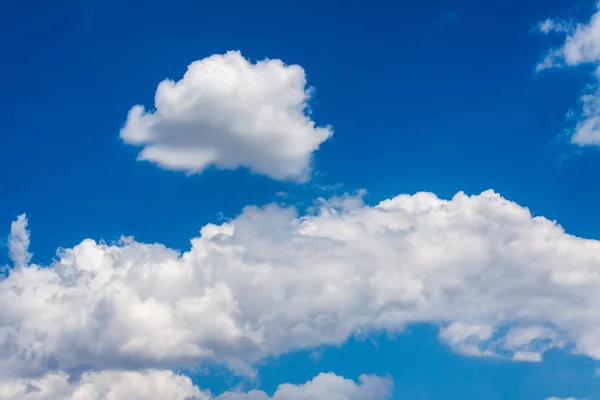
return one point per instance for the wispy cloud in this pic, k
(581, 46)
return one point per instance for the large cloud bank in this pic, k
(498, 281)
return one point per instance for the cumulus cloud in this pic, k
(142, 385)
(166, 385)
(324, 387)
(498, 282)
(581, 46)
(228, 112)
(18, 242)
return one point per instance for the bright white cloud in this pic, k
(324, 387)
(228, 113)
(497, 280)
(143, 385)
(166, 385)
(581, 46)
(18, 242)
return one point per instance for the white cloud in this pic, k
(497, 280)
(527, 356)
(581, 46)
(551, 25)
(18, 242)
(587, 131)
(466, 338)
(230, 113)
(143, 385)
(561, 398)
(324, 387)
(166, 385)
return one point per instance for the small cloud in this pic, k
(227, 112)
(330, 188)
(553, 26)
(552, 60)
(18, 242)
(527, 356)
(316, 355)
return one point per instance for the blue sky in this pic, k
(440, 97)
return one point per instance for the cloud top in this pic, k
(167, 385)
(18, 242)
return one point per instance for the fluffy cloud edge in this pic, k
(166, 385)
(18, 242)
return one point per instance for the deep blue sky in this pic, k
(438, 96)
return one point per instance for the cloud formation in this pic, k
(166, 385)
(324, 387)
(18, 242)
(228, 112)
(107, 385)
(581, 46)
(498, 281)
